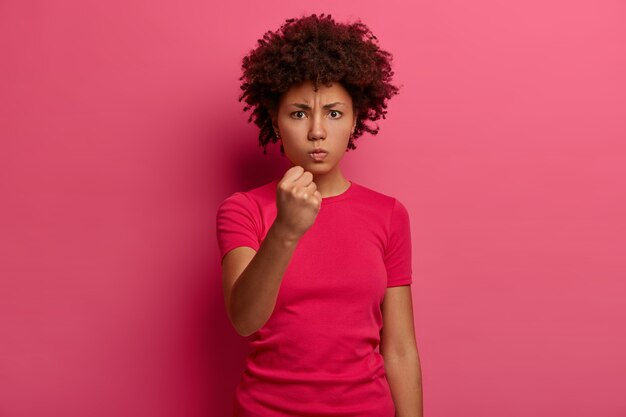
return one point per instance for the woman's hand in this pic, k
(297, 203)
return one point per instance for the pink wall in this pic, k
(121, 132)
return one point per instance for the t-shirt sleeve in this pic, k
(398, 251)
(236, 224)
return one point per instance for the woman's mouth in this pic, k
(318, 155)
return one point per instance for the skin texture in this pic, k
(252, 279)
(399, 349)
(301, 130)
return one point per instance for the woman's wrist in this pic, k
(282, 234)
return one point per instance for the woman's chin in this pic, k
(317, 167)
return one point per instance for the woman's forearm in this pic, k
(404, 376)
(254, 294)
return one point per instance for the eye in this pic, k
(338, 112)
(296, 112)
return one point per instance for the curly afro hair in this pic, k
(316, 48)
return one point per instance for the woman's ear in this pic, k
(274, 120)
(272, 113)
(354, 124)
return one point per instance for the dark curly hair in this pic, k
(316, 48)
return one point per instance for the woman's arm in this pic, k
(252, 279)
(399, 349)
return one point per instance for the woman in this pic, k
(317, 268)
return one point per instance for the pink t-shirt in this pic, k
(317, 355)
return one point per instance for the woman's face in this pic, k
(307, 120)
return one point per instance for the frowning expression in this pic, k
(307, 120)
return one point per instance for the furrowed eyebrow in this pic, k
(307, 107)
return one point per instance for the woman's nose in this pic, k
(317, 130)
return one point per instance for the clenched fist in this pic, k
(297, 202)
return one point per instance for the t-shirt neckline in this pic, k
(327, 200)
(339, 197)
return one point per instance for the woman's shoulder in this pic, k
(375, 197)
(256, 199)
(385, 207)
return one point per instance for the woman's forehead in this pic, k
(305, 93)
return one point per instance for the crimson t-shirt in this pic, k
(317, 355)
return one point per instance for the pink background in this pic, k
(121, 132)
